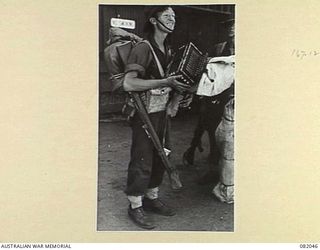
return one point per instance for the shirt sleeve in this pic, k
(139, 59)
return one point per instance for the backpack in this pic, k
(116, 56)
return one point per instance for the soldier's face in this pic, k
(231, 31)
(167, 18)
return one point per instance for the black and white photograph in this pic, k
(166, 118)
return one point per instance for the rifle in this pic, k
(151, 133)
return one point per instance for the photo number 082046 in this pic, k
(166, 118)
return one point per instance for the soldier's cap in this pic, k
(151, 10)
(227, 22)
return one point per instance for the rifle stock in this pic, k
(148, 127)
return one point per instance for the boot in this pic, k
(157, 207)
(188, 156)
(138, 216)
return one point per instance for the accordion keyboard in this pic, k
(190, 64)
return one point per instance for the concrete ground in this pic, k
(197, 209)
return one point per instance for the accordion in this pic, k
(189, 62)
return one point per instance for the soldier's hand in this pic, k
(176, 84)
(186, 101)
(193, 89)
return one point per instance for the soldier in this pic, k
(211, 111)
(146, 170)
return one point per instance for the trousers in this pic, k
(146, 169)
(210, 115)
(209, 118)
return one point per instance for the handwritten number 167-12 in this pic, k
(304, 53)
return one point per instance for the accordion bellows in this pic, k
(188, 62)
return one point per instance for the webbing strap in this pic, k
(156, 58)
